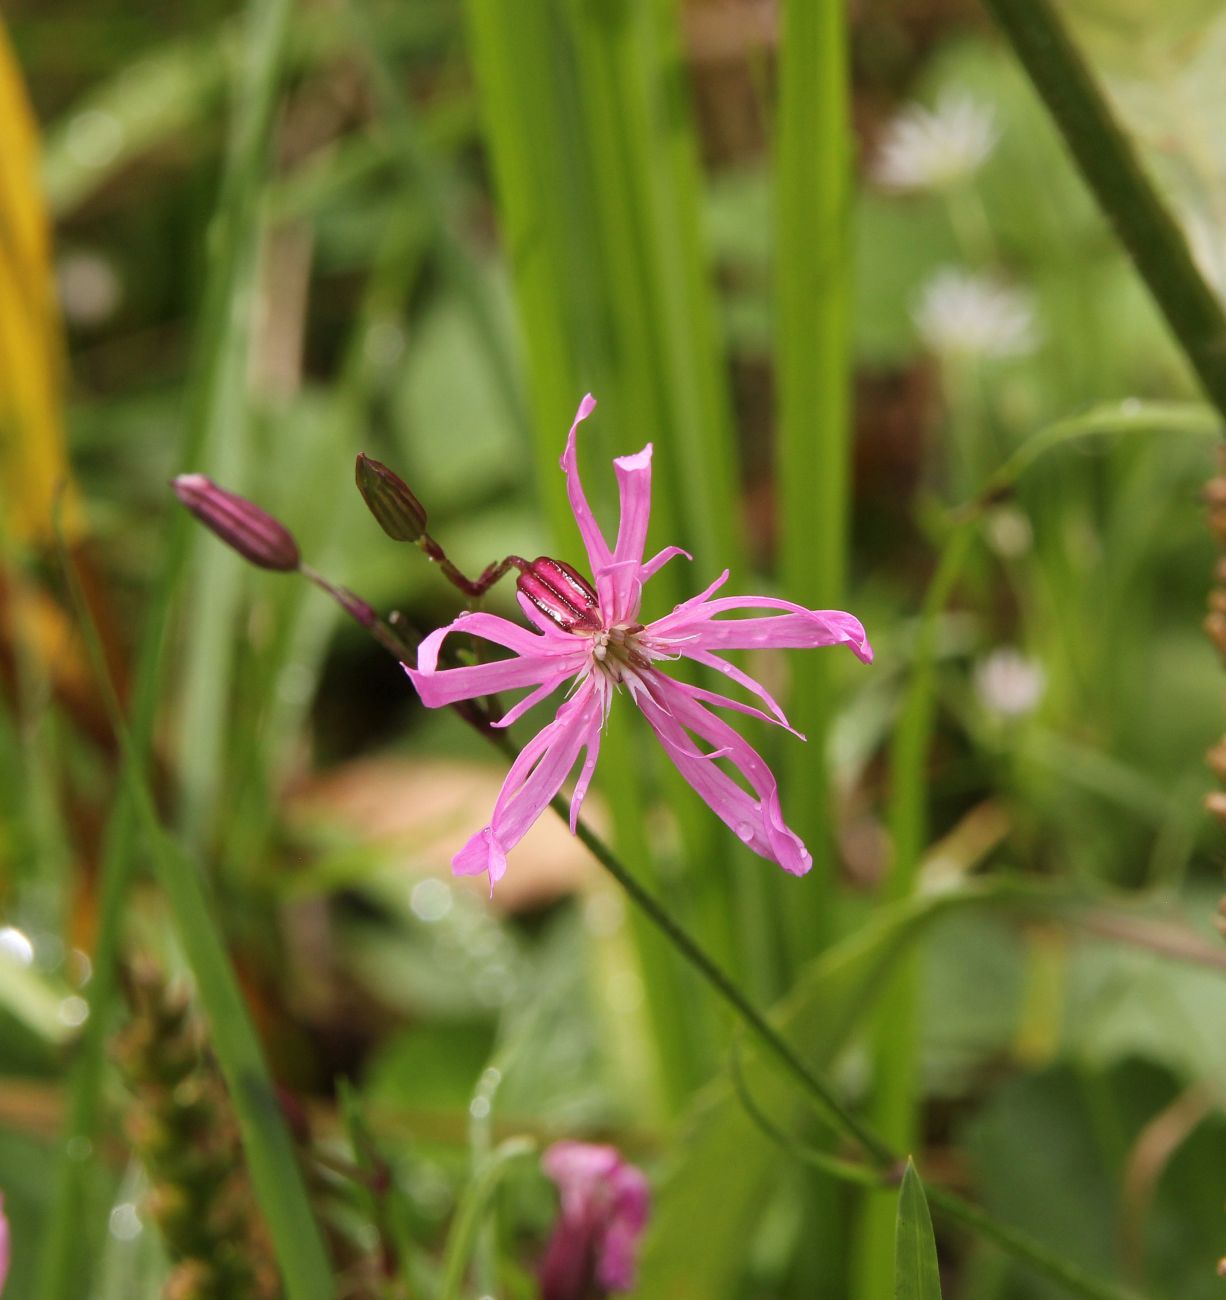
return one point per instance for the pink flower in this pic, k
(4, 1245)
(605, 1203)
(591, 636)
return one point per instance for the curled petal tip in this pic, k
(586, 407)
(483, 852)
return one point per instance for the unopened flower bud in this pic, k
(252, 532)
(561, 594)
(396, 510)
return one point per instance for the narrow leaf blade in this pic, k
(916, 1276)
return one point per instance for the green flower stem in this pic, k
(1075, 1279)
(1016, 1244)
(1110, 167)
(838, 1115)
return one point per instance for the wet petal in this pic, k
(620, 590)
(537, 659)
(535, 777)
(597, 548)
(673, 711)
(694, 626)
(634, 488)
(751, 684)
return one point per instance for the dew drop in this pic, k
(744, 831)
(125, 1224)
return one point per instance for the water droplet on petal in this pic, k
(744, 831)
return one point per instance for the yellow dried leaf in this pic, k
(33, 463)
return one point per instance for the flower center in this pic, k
(616, 651)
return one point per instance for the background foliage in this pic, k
(282, 234)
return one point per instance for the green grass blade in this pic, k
(599, 218)
(916, 1275)
(275, 1172)
(61, 1272)
(1105, 157)
(217, 421)
(424, 178)
(812, 290)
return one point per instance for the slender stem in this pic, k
(848, 1171)
(1017, 1244)
(1110, 167)
(816, 1087)
(472, 588)
(468, 1220)
(1021, 1246)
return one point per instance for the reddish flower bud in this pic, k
(252, 532)
(561, 594)
(396, 510)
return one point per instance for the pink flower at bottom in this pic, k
(590, 635)
(604, 1207)
(4, 1245)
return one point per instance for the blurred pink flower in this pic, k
(604, 1207)
(4, 1244)
(591, 636)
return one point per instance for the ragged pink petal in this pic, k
(620, 588)
(799, 628)
(682, 614)
(597, 548)
(537, 659)
(634, 489)
(674, 710)
(660, 559)
(535, 777)
(733, 674)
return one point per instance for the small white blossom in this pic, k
(89, 288)
(1008, 683)
(964, 315)
(931, 149)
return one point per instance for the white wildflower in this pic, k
(1008, 683)
(964, 315)
(89, 288)
(931, 149)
